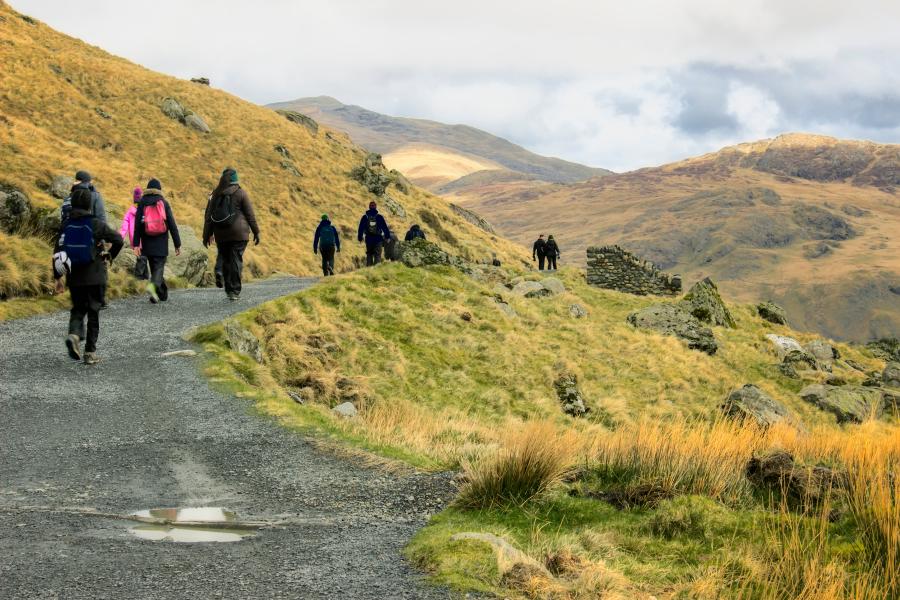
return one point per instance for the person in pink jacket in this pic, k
(127, 229)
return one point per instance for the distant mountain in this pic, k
(810, 221)
(435, 154)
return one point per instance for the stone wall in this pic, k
(613, 268)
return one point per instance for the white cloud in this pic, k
(758, 115)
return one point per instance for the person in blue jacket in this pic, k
(374, 229)
(326, 242)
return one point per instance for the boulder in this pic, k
(506, 308)
(60, 187)
(402, 183)
(173, 109)
(796, 362)
(783, 344)
(772, 313)
(200, 80)
(704, 302)
(886, 348)
(473, 218)
(242, 340)
(778, 472)
(891, 375)
(578, 311)
(553, 285)
(346, 410)
(294, 117)
(195, 122)
(848, 403)
(15, 209)
(569, 395)
(530, 289)
(673, 319)
(753, 404)
(394, 207)
(823, 352)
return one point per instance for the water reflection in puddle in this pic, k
(192, 529)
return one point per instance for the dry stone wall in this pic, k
(614, 268)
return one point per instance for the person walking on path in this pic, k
(83, 180)
(414, 232)
(153, 224)
(229, 220)
(539, 251)
(326, 241)
(375, 230)
(141, 270)
(552, 251)
(81, 258)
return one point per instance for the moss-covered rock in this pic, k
(706, 304)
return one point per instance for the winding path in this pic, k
(140, 431)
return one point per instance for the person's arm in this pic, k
(337, 239)
(316, 239)
(173, 226)
(207, 222)
(138, 228)
(384, 228)
(247, 208)
(534, 251)
(362, 228)
(107, 234)
(99, 206)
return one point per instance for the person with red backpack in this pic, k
(153, 224)
(80, 258)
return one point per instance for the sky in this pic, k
(612, 84)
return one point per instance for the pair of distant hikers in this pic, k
(547, 251)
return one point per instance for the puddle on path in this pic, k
(198, 524)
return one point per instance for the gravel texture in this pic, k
(141, 431)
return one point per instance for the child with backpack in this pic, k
(374, 229)
(153, 224)
(326, 241)
(141, 270)
(78, 256)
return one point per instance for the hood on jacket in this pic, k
(78, 213)
(325, 222)
(150, 197)
(372, 212)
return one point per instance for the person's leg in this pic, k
(370, 255)
(378, 250)
(162, 287)
(219, 269)
(540, 262)
(233, 266)
(95, 296)
(76, 321)
(327, 260)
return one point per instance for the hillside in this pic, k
(66, 105)
(808, 221)
(424, 149)
(645, 495)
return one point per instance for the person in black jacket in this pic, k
(155, 246)
(326, 241)
(539, 251)
(374, 229)
(414, 232)
(552, 252)
(86, 281)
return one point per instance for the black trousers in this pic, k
(86, 301)
(541, 259)
(551, 262)
(373, 253)
(232, 254)
(327, 253)
(157, 266)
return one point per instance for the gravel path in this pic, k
(139, 431)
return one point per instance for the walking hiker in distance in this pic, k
(141, 270)
(83, 180)
(552, 252)
(539, 251)
(229, 221)
(414, 232)
(374, 229)
(79, 255)
(154, 222)
(326, 242)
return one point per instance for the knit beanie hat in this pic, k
(234, 176)
(154, 184)
(138, 192)
(83, 176)
(324, 217)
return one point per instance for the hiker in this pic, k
(539, 250)
(414, 232)
(229, 220)
(374, 228)
(141, 271)
(552, 252)
(80, 257)
(83, 180)
(326, 241)
(153, 224)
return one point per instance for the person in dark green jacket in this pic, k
(326, 242)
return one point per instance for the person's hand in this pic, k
(60, 286)
(137, 251)
(256, 239)
(339, 250)
(206, 243)
(177, 251)
(315, 251)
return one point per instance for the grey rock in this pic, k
(60, 187)
(796, 362)
(784, 344)
(569, 395)
(300, 119)
(523, 288)
(672, 319)
(473, 218)
(346, 410)
(578, 311)
(400, 181)
(102, 113)
(200, 80)
(849, 404)
(751, 403)
(173, 109)
(891, 375)
(772, 312)
(242, 340)
(706, 304)
(422, 253)
(15, 209)
(194, 121)
(553, 285)
(506, 309)
(823, 352)
(179, 353)
(394, 207)
(191, 265)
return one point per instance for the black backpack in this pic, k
(222, 212)
(326, 236)
(372, 227)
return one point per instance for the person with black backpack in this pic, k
(539, 251)
(80, 258)
(229, 220)
(552, 251)
(415, 232)
(375, 230)
(154, 222)
(84, 181)
(326, 241)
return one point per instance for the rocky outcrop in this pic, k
(422, 253)
(539, 289)
(824, 353)
(394, 207)
(300, 119)
(241, 340)
(345, 409)
(778, 472)
(15, 209)
(704, 302)
(473, 218)
(200, 80)
(848, 403)
(783, 344)
(60, 187)
(886, 348)
(569, 395)
(772, 313)
(672, 319)
(750, 403)
(173, 109)
(578, 311)
(613, 268)
(797, 363)
(373, 175)
(890, 377)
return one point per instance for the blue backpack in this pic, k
(78, 240)
(326, 236)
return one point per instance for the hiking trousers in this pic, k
(541, 259)
(157, 266)
(373, 253)
(327, 253)
(232, 254)
(551, 263)
(86, 302)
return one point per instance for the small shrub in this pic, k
(687, 516)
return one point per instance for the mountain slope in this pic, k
(398, 136)
(809, 221)
(66, 106)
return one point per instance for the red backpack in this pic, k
(155, 218)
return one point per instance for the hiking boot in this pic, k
(234, 297)
(105, 305)
(220, 280)
(151, 290)
(90, 358)
(73, 343)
